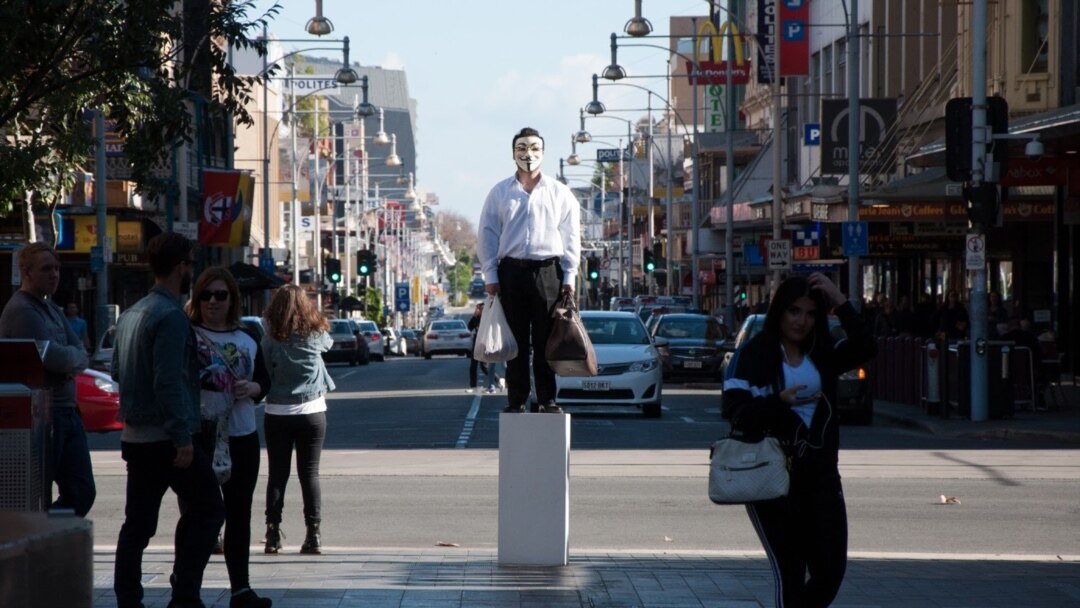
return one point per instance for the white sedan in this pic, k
(629, 366)
(447, 336)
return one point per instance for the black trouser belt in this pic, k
(519, 263)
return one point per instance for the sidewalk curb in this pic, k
(997, 433)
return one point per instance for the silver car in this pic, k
(375, 340)
(447, 336)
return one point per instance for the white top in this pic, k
(297, 409)
(216, 379)
(543, 224)
(805, 373)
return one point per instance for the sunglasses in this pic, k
(220, 295)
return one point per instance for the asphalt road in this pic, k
(411, 460)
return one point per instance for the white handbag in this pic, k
(742, 472)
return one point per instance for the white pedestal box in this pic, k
(534, 489)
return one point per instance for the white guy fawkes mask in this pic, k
(528, 153)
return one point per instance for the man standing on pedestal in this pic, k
(529, 245)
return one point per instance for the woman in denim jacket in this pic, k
(296, 336)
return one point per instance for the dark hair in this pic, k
(526, 132)
(790, 290)
(166, 251)
(215, 273)
(290, 312)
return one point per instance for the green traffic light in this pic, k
(364, 269)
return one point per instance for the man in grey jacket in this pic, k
(154, 361)
(32, 314)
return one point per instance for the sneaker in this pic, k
(514, 409)
(470, 390)
(489, 390)
(502, 384)
(550, 408)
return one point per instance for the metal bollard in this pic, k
(933, 385)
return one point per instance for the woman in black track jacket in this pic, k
(782, 383)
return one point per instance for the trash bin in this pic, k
(999, 390)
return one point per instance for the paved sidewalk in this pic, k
(453, 577)
(1059, 423)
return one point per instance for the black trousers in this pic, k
(238, 493)
(306, 433)
(529, 295)
(150, 473)
(805, 533)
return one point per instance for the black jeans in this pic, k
(529, 295)
(237, 492)
(307, 432)
(805, 533)
(70, 463)
(151, 472)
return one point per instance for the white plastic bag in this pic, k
(494, 341)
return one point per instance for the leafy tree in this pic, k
(143, 63)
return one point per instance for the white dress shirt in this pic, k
(543, 224)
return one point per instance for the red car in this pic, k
(98, 398)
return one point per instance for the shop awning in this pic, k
(253, 278)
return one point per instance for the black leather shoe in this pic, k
(514, 409)
(249, 599)
(550, 408)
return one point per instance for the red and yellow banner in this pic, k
(225, 220)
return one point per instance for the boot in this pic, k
(313, 543)
(273, 538)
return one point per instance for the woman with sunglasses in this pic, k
(296, 337)
(233, 379)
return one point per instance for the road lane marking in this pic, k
(345, 374)
(687, 419)
(470, 422)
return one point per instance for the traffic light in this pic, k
(648, 262)
(593, 273)
(365, 262)
(332, 267)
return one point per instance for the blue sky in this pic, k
(479, 70)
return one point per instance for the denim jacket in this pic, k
(154, 362)
(297, 371)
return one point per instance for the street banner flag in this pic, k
(226, 209)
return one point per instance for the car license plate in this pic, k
(595, 385)
(692, 364)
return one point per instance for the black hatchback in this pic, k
(695, 345)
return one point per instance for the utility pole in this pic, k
(731, 118)
(101, 281)
(979, 139)
(854, 151)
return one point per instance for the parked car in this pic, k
(255, 324)
(854, 397)
(97, 397)
(376, 344)
(412, 341)
(695, 345)
(101, 360)
(347, 347)
(629, 370)
(395, 343)
(447, 336)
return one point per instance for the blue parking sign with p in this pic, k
(794, 30)
(401, 297)
(812, 134)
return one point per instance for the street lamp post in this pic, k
(345, 75)
(637, 28)
(669, 166)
